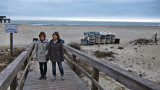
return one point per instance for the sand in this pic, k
(142, 60)
(27, 32)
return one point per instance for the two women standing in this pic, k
(53, 51)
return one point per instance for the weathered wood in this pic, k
(24, 74)
(71, 82)
(14, 83)
(3, 19)
(95, 75)
(74, 59)
(11, 43)
(10, 72)
(126, 78)
(85, 73)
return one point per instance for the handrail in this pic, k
(24, 73)
(9, 74)
(131, 81)
(82, 70)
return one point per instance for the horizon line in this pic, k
(85, 19)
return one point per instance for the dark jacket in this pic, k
(55, 51)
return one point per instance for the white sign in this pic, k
(11, 28)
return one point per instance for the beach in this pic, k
(27, 32)
(142, 60)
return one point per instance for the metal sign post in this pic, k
(11, 28)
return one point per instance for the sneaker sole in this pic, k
(53, 79)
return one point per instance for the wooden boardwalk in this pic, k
(71, 82)
(8, 77)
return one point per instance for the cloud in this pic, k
(131, 1)
(81, 8)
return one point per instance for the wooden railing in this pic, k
(131, 81)
(8, 77)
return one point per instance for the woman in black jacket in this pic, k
(56, 54)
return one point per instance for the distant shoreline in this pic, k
(87, 23)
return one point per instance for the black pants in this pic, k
(43, 68)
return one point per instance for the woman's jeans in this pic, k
(43, 68)
(60, 68)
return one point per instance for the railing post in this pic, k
(95, 75)
(14, 84)
(74, 59)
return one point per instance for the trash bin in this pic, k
(35, 39)
(84, 42)
(117, 41)
(113, 38)
(97, 38)
(86, 35)
(91, 41)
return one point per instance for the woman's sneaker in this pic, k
(41, 77)
(54, 78)
(45, 77)
(62, 78)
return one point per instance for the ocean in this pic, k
(38, 22)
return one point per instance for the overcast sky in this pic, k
(148, 9)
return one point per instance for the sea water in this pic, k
(109, 23)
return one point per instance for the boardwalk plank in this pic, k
(71, 82)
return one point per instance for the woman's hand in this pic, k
(47, 58)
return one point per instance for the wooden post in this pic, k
(74, 59)
(25, 64)
(14, 84)
(156, 38)
(95, 75)
(11, 43)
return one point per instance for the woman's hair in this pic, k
(42, 33)
(57, 34)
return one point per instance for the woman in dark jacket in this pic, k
(56, 54)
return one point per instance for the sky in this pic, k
(81, 9)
